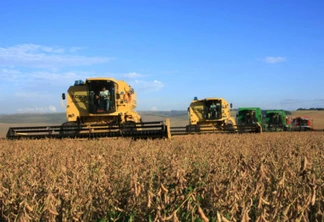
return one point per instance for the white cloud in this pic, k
(270, 59)
(45, 109)
(154, 108)
(34, 94)
(53, 76)
(132, 78)
(75, 49)
(158, 85)
(132, 75)
(36, 56)
(43, 76)
(9, 74)
(52, 108)
(147, 85)
(167, 72)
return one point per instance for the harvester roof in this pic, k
(100, 79)
(276, 111)
(249, 108)
(208, 99)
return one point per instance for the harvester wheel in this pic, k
(69, 129)
(192, 128)
(129, 127)
(229, 128)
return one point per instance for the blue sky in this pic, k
(267, 53)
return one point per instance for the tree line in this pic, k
(299, 109)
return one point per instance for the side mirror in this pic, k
(63, 96)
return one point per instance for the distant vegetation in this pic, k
(300, 109)
(55, 118)
(170, 113)
(58, 118)
(265, 110)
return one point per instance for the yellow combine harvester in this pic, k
(98, 107)
(208, 115)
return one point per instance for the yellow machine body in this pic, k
(210, 114)
(92, 112)
(83, 102)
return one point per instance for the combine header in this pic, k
(98, 107)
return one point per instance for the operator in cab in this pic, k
(104, 99)
(213, 113)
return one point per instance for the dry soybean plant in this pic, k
(248, 177)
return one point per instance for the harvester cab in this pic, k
(101, 100)
(301, 123)
(277, 120)
(210, 115)
(98, 107)
(249, 120)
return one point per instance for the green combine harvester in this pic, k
(249, 119)
(277, 120)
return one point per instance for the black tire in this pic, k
(69, 129)
(192, 128)
(129, 127)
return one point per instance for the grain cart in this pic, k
(91, 113)
(249, 119)
(277, 120)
